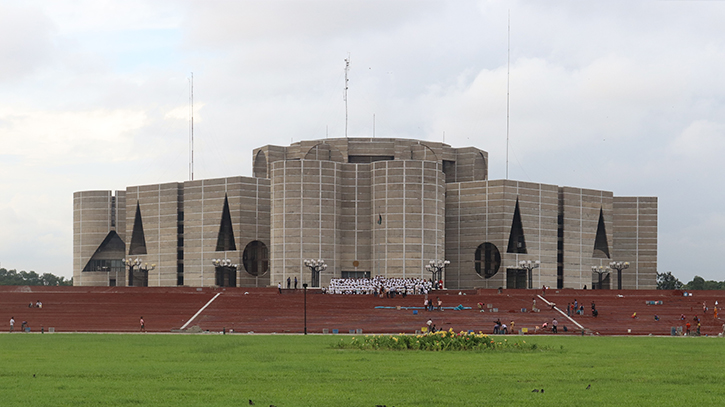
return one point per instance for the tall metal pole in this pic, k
(191, 127)
(619, 266)
(305, 295)
(344, 96)
(508, 75)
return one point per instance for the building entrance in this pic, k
(226, 276)
(138, 278)
(355, 274)
(516, 278)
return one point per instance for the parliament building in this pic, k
(367, 207)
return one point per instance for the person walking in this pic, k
(554, 324)
(279, 287)
(295, 283)
(143, 325)
(12, 324)
(289, 282)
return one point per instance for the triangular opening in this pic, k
(517, 242)
(138, 240)
(601, 247)
(225, 240)
(108, 255)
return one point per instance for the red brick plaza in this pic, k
(264, 310)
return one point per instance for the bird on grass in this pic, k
(589, 387)
(251, 403)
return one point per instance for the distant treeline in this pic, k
(666, 281)
(13, 277)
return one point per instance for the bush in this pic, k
(439, 341)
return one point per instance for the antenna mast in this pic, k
(508, 75)
(344, 93)
(191, 127)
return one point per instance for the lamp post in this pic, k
(304, 286)
(224, 267)
(144, 269)
(316, 266)
(139, 266)
(529, 266)
(436, 268)
(601, 270)
(131, 264)
(619, 266)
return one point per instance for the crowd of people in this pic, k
(381, 286)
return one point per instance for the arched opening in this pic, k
(324, 152)
(422, 152)
(260, 165)
(480, 168)
(487, 260)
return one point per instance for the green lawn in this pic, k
(195, 370)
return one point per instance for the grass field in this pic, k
(195, 370)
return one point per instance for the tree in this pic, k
(13, 277)
(699, 283)
(666, 281)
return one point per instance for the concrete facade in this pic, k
(367, 207)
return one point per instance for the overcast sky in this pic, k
(623, 96)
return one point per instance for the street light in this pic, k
(304, 285)
(619, 266)
(131, 263)
(529, 266)
(601, 270)
(222, 263)
(316, 266)
(436, 268)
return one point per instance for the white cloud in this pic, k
(25, 41)
(702, 141)
(66, 136)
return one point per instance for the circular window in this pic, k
(488, 260)
(256, 258)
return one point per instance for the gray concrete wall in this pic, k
(93, 218)
(581, 208)
(408, 198)
(482, 211)
(635, 240)
(305, 218)
(159, 205)
(203, 205)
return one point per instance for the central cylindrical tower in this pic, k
(409, 223)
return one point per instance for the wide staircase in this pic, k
(265, 310)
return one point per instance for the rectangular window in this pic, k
(180, 274)
(367, 159)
